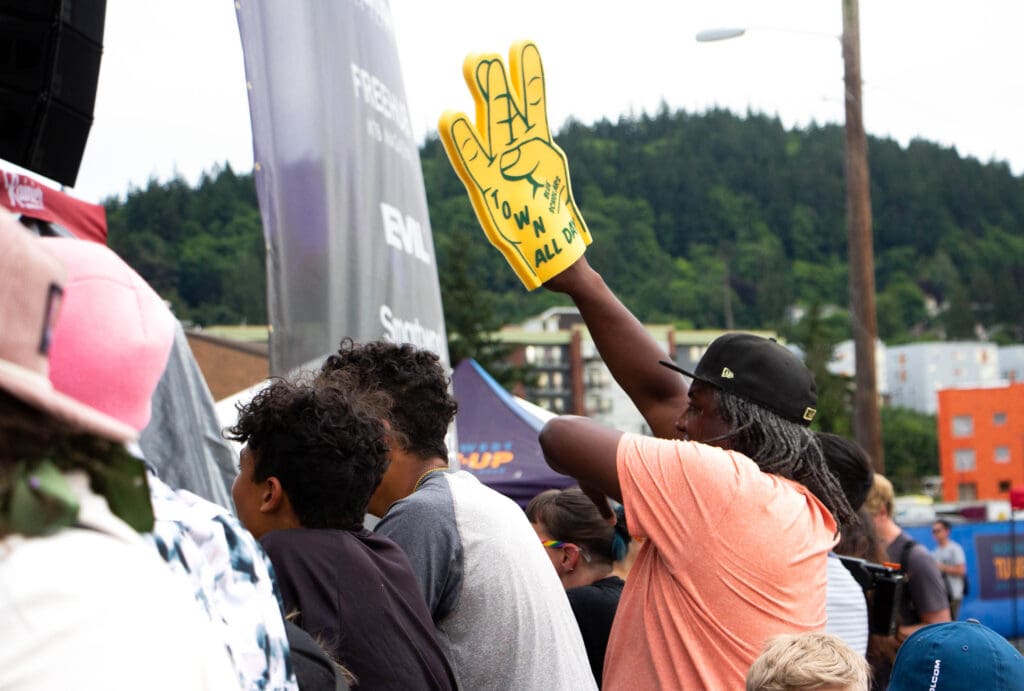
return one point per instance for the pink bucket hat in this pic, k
(31, 286)
(114, 337)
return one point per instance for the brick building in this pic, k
(229, 365)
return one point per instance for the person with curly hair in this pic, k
(498, 606)
(583, 548)
(314, 454)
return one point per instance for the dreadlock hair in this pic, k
(783, 448)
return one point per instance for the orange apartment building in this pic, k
(981, 442)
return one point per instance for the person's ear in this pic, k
(273, 495)
(570, 558)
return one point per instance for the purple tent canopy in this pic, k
(498, 437)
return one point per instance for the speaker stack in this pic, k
(49, 66)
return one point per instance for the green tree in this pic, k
(911, 447)
(695, 217)
(471, 319)
(899, 309)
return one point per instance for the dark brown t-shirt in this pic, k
(356, 594)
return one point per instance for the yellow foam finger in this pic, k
(516, 176)
(528, 77)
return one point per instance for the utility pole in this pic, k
(867, 421)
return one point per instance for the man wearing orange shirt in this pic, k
(738, 515)
(734, 498)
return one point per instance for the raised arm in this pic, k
(518, 182)
(626, 347)
(585, 450)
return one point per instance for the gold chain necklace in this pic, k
(424, 475)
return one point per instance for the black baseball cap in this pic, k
(761, 371)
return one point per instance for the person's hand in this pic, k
(516, 176)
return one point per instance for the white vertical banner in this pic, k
(349, 246)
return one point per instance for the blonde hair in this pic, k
(881, 495)
(808, 661)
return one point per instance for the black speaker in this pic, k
(49, 66)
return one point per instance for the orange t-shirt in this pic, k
(733, 556)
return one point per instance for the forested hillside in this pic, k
(708, 220)
(201, 248)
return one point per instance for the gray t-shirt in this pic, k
(952, 555)
(924, 581)
(501, 613)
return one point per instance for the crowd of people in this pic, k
(701, 557)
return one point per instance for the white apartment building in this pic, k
(844, 364)
(1011, 363)
(917, 371)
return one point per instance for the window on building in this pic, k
(531, 355)
(556, 380)
(559, 405)
(543, 380)
(998, 418)
(595, 377)
(967, 491)
(963, 426)
(963, 460)
(1004, 486)
(1002, 454)
(555, 355)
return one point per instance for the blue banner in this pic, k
(995, 571)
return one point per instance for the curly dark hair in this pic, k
(422, 408)
(324, 441)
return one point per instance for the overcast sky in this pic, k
(172, 95)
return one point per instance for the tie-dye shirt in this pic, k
(232, 579)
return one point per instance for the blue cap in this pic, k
(957, 655)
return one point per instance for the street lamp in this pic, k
(867, 421)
